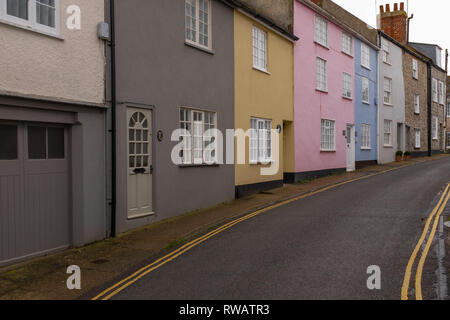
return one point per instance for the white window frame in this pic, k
(366, 143)
(321, 31)
(385, 49)
(389, 91)
(365, 85)
(31, 23)
(416, 104)
(415, 69)
(347, 85)
(329, 143)
(435, 90)
(387, 133)
(190, 158)
(365, 56)
(347, 44)
(417, 139)
(196, 42)
(260, 146)
(319, 75)
(448, 109)
(435, 128)
(259, 40)
(441, 93)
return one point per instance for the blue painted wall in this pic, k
(366, 113)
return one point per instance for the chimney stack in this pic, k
(394, 23)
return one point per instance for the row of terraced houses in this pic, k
(92, 91)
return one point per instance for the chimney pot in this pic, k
(388, 8)
(402, 6)
(395, 7)
(381, 9)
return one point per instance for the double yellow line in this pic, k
(435, 214)
(123, 284)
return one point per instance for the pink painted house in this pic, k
(323, 97)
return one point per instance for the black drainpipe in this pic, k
(429, 107)
(113, 118)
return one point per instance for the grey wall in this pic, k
(157, 70)
(396, 112)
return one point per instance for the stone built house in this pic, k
(448, 114)
(416, 101)
(437, 78)
(52, 128)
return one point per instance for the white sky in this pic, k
(431, 22)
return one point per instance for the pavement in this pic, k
(316, 247)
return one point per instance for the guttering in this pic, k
(113, 118)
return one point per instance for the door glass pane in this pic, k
(8, 142)
(56, 143)
(37, 143)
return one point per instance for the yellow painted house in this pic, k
(264, 84)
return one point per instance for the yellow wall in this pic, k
(262, 95)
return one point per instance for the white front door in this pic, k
(139, 137)
(350, 148)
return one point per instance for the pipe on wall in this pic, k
(113, 119)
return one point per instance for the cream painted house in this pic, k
(52, 126)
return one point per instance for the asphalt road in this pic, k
(315, 248)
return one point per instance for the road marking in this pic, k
(407, 277)
(126, 282)
(427, 249)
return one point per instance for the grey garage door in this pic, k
(34, 190)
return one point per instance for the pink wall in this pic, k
(311, 105)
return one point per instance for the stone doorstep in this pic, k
(104, 261)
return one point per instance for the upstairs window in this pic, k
(448, 109)
(259, 49)
(385, 51)
(198, 22)
(415, 69)
(347, 44)
(434, 128)
(365, 56)
(416, 104)
(347, 85)
(441, 92)
(387, 91)
(435, 90)
(321, 75)
(321, 31)
(40, 15)
(365, 90)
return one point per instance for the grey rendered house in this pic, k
(391, 106)
(174, 69)
(52, 128)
